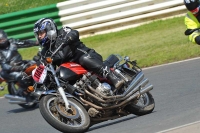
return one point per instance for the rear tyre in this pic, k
(54, 112)
(144, 105)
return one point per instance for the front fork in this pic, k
(60, 89)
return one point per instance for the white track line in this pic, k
(179, 127)
(171, 63)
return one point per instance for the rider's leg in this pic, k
(93, 62)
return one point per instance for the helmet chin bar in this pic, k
(52, 35)
(44, 41)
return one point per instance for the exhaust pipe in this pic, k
(135, 82)
(146, 89)
(15, 98)
(130, 88)
(16, 102)
(137, 94)
(142, 91)
(117, 97)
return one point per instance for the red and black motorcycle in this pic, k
(75, 98)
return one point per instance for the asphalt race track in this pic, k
(176, 93)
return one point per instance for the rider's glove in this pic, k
(16, 68)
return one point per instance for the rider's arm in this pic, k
(7, 67)
(23, 43)
(191, 22)
(12, 53)
(70, 34)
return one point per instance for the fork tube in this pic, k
(54, 74)
(60, 89)
(62, 93)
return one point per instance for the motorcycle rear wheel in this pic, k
(13, 89)
(76, 121)
(144, 105)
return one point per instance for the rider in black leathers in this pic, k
(10, 59)
(74, 50)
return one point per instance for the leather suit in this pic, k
(10, 57)
(74, 51)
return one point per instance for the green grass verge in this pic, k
(8, 6)
(156, 43)
(159, 42)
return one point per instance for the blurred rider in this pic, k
(74, 50)
(10, 59)
(192, 19)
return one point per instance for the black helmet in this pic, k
(47, 25)
(192, 5)
(3, 39)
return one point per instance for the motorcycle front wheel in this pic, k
(142, 106)
(54, 112)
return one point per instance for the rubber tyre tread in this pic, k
(137, 110)
(59, 125)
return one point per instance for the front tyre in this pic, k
(144, 105)
(54, 112)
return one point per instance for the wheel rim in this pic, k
(72, 121)
(143, 101)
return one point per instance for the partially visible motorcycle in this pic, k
(75, 98)
(30, 100)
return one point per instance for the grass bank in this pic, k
(8, 6)
(156, 43)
